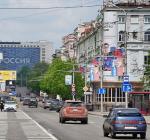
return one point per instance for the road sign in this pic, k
(73, 93)
(73, 85)
(101, 90)
(85, 88)
(68, 79)
(126, 78)
(73, 89)
(87, 93)
(126, 87)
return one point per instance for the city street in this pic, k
(41, 124)
(72, 130)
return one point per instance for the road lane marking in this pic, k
(41, 127)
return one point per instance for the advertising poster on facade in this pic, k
(94, 73)
(113, 61)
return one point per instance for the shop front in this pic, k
(140, 100)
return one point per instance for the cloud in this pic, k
(34, 25)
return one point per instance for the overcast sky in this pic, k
(43, 24)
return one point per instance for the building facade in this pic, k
(117, 45)
(18, 54)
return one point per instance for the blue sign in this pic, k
(126, 78)
(101, 90)
(126, 87)
(16, 57)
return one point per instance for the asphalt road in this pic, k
(72, 130)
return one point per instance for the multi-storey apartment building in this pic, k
(18, 54)
(67, 49)
(117, 44)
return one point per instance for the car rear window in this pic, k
(10, 102)
(121, 114)
(74, 104)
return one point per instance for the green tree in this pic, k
(36, 75)
(22, 76)
(146, 78)
(54, 80)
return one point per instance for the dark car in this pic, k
(125, 121)
(55, 105)
(33, 103)
(26, 101)
(22, 98)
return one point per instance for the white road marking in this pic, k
(41, 127)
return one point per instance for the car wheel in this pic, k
(134, 135)
(44, 107)
(113, 135)
(143, 135)
(85, 121)
(62, 120)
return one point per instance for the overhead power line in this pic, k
(57, 7)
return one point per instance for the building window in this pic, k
(146, 60)
(147, 35)
(121, 19)
(121, 36)
(134, 19)
(146, 19)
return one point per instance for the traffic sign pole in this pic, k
(126, 99)
(126, 87)
(73, 91)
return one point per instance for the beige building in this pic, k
(119, 40)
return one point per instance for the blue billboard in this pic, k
(16, 57)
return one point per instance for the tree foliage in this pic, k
(36, 75)
(146, 78)
(54, 80)
(22, 76)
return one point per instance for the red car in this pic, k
(73, 111)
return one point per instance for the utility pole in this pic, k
(101, 73)
(125, 46)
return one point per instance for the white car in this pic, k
(10, 106)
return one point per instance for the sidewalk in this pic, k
(98, 113)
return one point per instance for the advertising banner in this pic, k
(94, 73)
(68, 79)
(7, 75)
